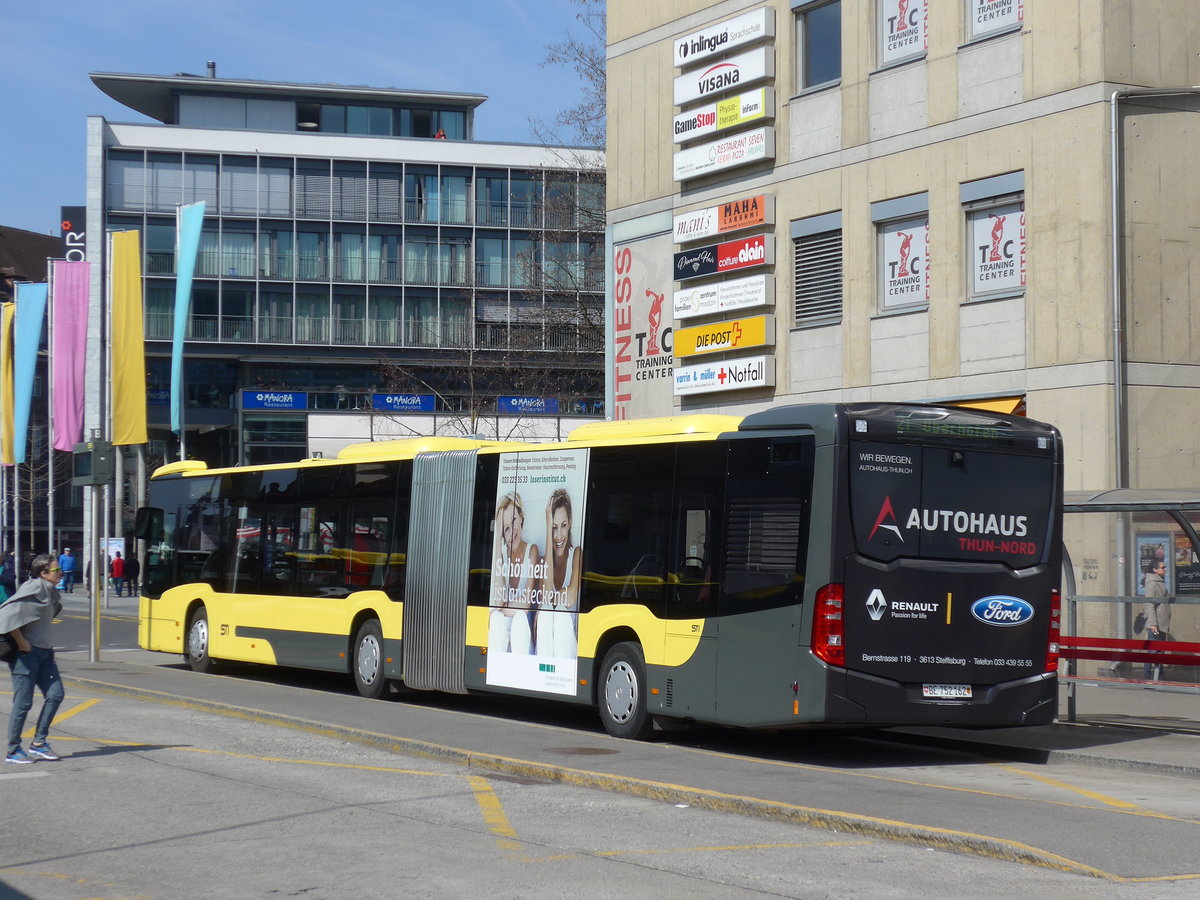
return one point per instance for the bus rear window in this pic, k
(950, 503)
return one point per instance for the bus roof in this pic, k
(365, 451)
(662, 426)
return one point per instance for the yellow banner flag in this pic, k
(128, 341)
(7, 454)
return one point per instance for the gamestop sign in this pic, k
(727, 153)
(730, 375)
(724, 114)
(715, 259)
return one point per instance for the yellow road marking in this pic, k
(493, 814)
(1091, 795)
(77, 708)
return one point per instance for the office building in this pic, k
(367, 268)
(913, 199)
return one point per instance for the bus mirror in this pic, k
(149, 524)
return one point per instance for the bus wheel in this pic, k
(195, 650)
(622, 697)
(368, 660)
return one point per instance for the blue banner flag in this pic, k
(188, 222)
(30, 318)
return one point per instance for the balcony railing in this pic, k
(275, 329)
(160, 262)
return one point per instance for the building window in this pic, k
(903, 27)
(995, 220)
(817, 253)
(904, 264)
(818, 43)
(903, 252)
(988, 17)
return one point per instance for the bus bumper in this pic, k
(863, 699)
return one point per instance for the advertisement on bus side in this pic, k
(537, 569)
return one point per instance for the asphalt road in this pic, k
(158, 797)
(263, 782)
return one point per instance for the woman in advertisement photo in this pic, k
(559, 596)
(515, 568)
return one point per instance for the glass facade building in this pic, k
(347, 250)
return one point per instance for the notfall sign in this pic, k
(727, 375)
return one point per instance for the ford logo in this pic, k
(1002, 610)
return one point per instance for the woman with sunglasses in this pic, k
(26, 619)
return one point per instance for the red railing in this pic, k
(1159, 653)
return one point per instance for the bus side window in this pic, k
(627, 540)
(319, 538)
(769, 501)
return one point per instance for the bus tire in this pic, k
(367, 662)
(196, 643)
(622, 693)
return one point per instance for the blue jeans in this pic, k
(68, 579)
(36, 668)
(1153, 671)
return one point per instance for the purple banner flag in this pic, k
(69, 310)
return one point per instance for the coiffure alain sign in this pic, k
(716, 259)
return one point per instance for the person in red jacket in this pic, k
(117, 571)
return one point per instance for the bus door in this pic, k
(768, 502)
(235, 568)
(693, 571)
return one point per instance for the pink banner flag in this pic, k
(70, 317)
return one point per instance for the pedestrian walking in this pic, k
(26, 618)
(1157, 612)
(8, 574)
(117, 570)
(133, 569)
(66, 562)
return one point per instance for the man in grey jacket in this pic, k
(26, 619)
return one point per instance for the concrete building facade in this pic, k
(978, 201)
(970, 143)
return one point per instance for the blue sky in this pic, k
(493, 48)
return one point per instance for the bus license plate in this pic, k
(947, 691)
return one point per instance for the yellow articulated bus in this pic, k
(864, 563)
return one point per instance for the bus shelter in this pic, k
(1111, 540)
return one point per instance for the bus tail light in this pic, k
(1055, 631)
(829, 625)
